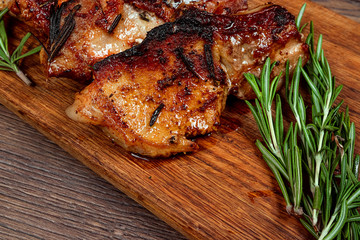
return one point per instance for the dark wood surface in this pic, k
(47, 194)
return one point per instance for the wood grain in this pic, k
(44, 193)
(349, 8)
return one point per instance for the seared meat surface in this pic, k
(154, 97)
(102, 27)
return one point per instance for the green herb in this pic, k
(321, 150)
(9, 62)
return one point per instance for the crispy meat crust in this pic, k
(155, 96)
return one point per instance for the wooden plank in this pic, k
(224, 191)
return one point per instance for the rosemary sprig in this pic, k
(317, 150)
(281, 152)
(10, 62)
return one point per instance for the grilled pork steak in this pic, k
(246, 39)
(154, 97)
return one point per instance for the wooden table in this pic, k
(47, 194)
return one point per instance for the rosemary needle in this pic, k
(317, 149)
(9, 62)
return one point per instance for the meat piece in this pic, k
(247, 39)
(91, 40)
(154, 97)
(102, 27)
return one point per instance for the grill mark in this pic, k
(188, 63)
(210, 63)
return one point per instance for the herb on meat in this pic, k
(9, 62)
(59, 34)
(155, 114)
(321, 150)
(114, 23)
(143, 16)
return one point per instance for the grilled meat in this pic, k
(96, 36)
(154, 97)
(101, 28)
(248, 38)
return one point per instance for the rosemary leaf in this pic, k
(299, 17)
(8, 62)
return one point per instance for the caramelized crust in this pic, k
(155, 96)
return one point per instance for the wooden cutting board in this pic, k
(225, 190)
